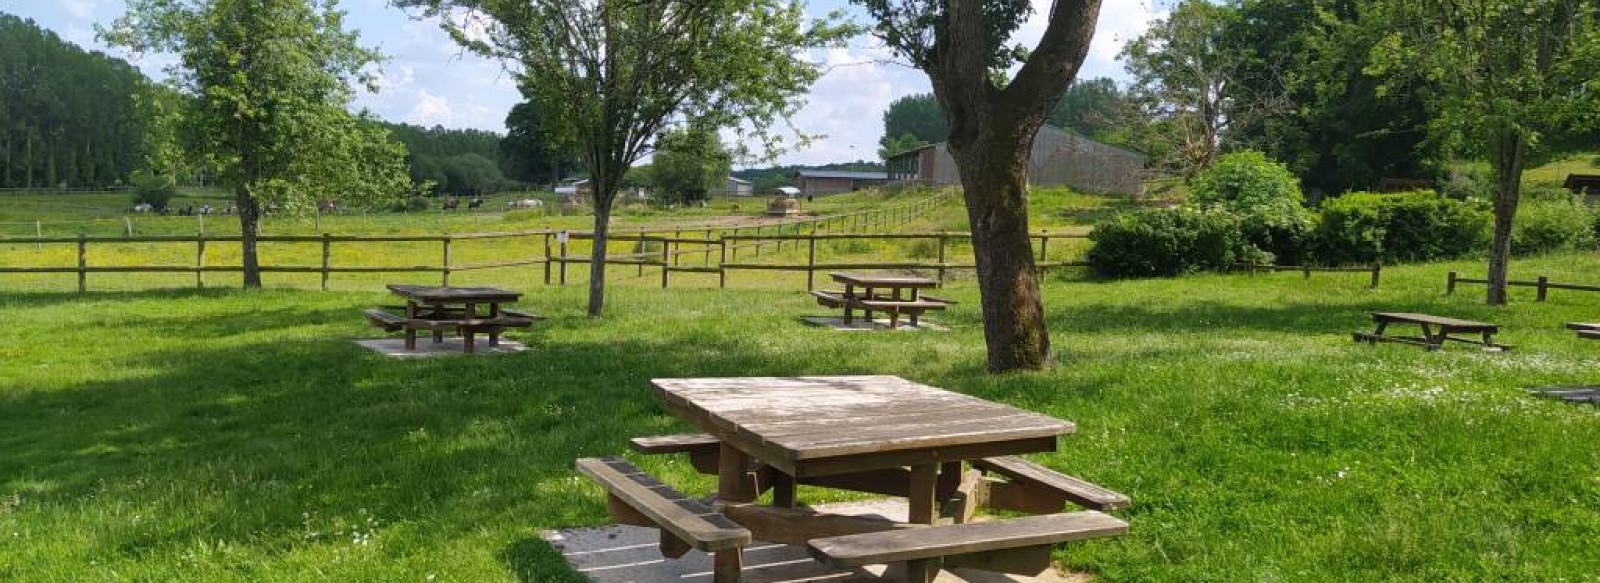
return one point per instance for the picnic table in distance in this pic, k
(893, 294)
(945, 452)
(1585, 330)
(1436, 330)
(441, 309)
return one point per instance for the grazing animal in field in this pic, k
(526, 203)
(477, 201)
(327, 207)
(206, 209)
(451, 203)
(143, 207)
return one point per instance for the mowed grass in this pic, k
(222, 435)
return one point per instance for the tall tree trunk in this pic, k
(1510, 155)
(995, 185)
(249, 230)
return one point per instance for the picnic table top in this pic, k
(436, 294)
(824, 425)
(1430, 319)
(876, 280)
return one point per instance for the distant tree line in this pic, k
(69, 118)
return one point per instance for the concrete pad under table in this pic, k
(837, 323)
(426, 348)
(630, 554)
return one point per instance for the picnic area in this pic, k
(222, 435)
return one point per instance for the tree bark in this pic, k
(597, 259)
(1509, 149)
(249, 230)
(996, 191)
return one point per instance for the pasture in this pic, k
(221, 435)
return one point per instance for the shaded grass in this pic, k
(234, 436)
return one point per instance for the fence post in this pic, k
(563, 259)
(1377, 271)
(83, 263)
(128, 222)
(1544, 289)
(1044, 246)
(759, 241)
(547, 257)
(202, 220)
(446, 271)
(707, 247)
(1450, 284)
(200, 261)
(811, 262)
(941, 258)
(38, 228)
(666, 262)
(722, 266)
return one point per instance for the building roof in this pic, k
(841, 174)
(737, 180)
(1577, 182)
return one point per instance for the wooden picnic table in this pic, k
(879, 434)
(1587, 330)
(892, 294)
(1436, 330)
(442, 308)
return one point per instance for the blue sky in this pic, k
(429, 80)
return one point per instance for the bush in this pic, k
(156, 191)
(1166, 242)
(412, 204)
(1363, 227)
(1266, 198)
(1552, 220)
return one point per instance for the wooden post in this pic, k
(83, 263)
(547, 258)
(446, 272)
(722, 266)
(202, 220)
(1544, 289)
(38, 228)
(707, 247)
(327, 258)
(1377, 271)
(758, 241)
(128, 222)
(811, 263)
(1450, 284)
(563, 260)
(200, 261)
(941, 258)
(1044, 246)
(666, 262)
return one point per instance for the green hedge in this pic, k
(1166, 242)
(1266, 198)
(1552, 219)
(1363, 227)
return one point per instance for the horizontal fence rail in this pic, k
(1375, 270)
(717, 248)
(1543, 285)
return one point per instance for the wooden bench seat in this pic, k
(1589, 334)
(1582, 326)
(637, 498)
(385, 320)
(830, 299)
(680, 443)
(1044, 489)
(1019, 545)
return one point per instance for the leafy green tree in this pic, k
(269, 82)
(917, 116)
(532, 150)
(1096, 108)
(613, 73)
(689, 163)
(993, 118)
(1508, 80)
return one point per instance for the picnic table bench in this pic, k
(1586, 330)
(948, 454)
(1436, 330)
(891, 294)
(440, 309)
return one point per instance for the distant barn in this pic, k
(1059, 158)
(821, 182)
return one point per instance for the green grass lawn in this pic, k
(222, 435)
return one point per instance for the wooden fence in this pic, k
(724, 243)
(1376, 270)
(1543, 285)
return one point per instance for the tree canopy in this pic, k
(911, 122)
(688, 163)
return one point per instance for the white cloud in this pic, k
(430, 110)
(80, 9)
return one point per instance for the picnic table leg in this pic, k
(494, 333)
(411, 333)
(733, 475)
(783, 494)
(894, 318)
(849, 296)
(726, 565)
(866, 313)
(923, 499)
(1434, 342)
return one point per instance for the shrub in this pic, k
(1552, 220)
(1363, 227)
(1266, 198)
(411, 205)
(1166, 242)
(156, 191)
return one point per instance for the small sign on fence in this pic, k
(561, 237)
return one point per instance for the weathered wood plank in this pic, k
(680, 443)
(940, 541)
(1079, 491)
(691, 521)
(797, 526)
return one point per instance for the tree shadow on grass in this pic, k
(267, 444)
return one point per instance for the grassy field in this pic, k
(222, 435)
